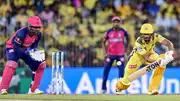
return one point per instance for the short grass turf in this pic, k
(69, 97)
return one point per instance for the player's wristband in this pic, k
(27, 52)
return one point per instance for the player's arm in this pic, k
(164, 41)
(104, 44)
(36, 43)
(168, 43)
(169, 55)
(127, 40)
(146, 57)
(18, 42)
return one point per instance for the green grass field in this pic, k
(23, 97)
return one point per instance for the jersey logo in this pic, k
(132, 66)
(115, 40)
(17, 40)
(140, 49)
(119, 35)
(11, 50)
(146, 28)
(27, 45)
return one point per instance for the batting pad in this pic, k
(156, 78)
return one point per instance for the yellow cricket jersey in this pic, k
(141, 47)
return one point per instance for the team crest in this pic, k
(119, 34)
(145, 28)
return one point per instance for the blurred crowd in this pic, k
(77, 26)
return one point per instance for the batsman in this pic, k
(143, 54)
(23, 45)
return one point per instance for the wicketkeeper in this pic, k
(23, 45)
(143, 53)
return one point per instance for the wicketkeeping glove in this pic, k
(38, 55)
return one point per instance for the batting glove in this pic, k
(162, 62)
(169, 56)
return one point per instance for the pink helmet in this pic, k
(116, 18)
(35, 21)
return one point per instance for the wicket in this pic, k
(57, 77)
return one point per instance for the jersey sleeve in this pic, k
(139, 48)
(126, 33)
(18, 39)
(17, 42)
(36, 43)
(106, 33)
(159, 38)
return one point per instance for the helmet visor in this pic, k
(34, 30)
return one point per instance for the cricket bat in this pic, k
(144, 70)
(168, 55)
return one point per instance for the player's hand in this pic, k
(169, 56)
(30, 50)
(162, 62)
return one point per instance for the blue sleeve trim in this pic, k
(20, 36)
(125, 32)
(18, 41)
(108, 32)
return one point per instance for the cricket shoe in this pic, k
(3, 92)
(103, 92)
(153, 92)
(37, 91)
(117, 92)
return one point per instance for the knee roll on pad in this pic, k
(42, 65)
(12, 64)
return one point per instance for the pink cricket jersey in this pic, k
(116, 41)
(21, 37)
